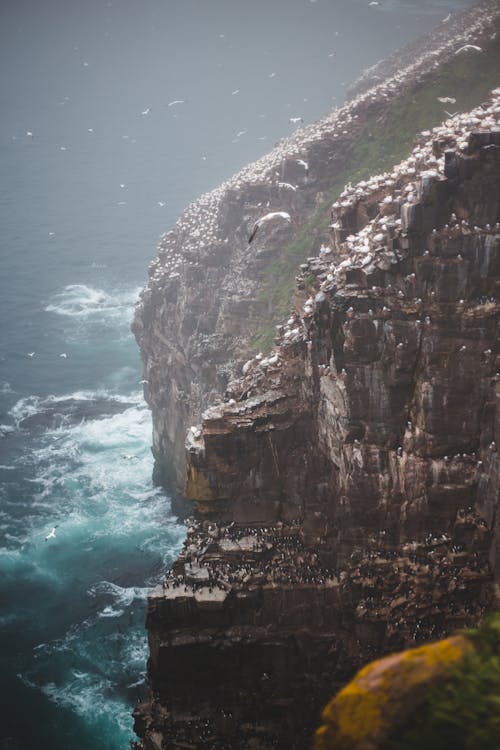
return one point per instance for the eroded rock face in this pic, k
(203, 303)
(350, 480)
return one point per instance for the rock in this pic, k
(203, 304)
(384, 694)
(346, 502)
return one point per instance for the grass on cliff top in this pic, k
(464, 712)
(469, 78)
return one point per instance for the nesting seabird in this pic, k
(304, 164)
(268, 217)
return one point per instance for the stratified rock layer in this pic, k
(350, 481)
(204, 302)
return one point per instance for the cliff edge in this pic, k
(347, 487)
(212, 299)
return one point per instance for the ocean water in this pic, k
(114, 115)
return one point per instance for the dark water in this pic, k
(96, 163)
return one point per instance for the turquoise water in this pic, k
(95, 165)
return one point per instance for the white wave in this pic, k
(89, 696)
(82, 301)
(6, 388)
(110, 612)
(93, 479)
(32, 405)
(6, 429)
(135, 651)
(123, 596)
(6, 468)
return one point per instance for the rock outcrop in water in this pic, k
(210, 295)
(350, 481)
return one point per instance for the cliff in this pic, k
(346, 483)
(212, 300)
(350, 480)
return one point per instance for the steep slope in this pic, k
(212, 298)
(350, 479)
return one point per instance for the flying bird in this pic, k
(51, 534)
(446, 99)
(295, 120)
(469, 46)
(176, 101)
(268, 217)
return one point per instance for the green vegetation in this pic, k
(464, 712)
(469, 78)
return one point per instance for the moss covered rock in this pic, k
(385, 693)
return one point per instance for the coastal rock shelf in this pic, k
(211, 297)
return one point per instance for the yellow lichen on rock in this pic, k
(383, 694)
(197, 485)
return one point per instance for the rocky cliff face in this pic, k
(347, 487)
(211, 297)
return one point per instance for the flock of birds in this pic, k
(200, 228)
(231, 555)
(370, 248)
(218, 558)
(401, 188)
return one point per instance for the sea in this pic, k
(113, 117)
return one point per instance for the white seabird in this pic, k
(469, 46)
(51, 534)
(268, 217)
(304, 164)
(176, 101)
